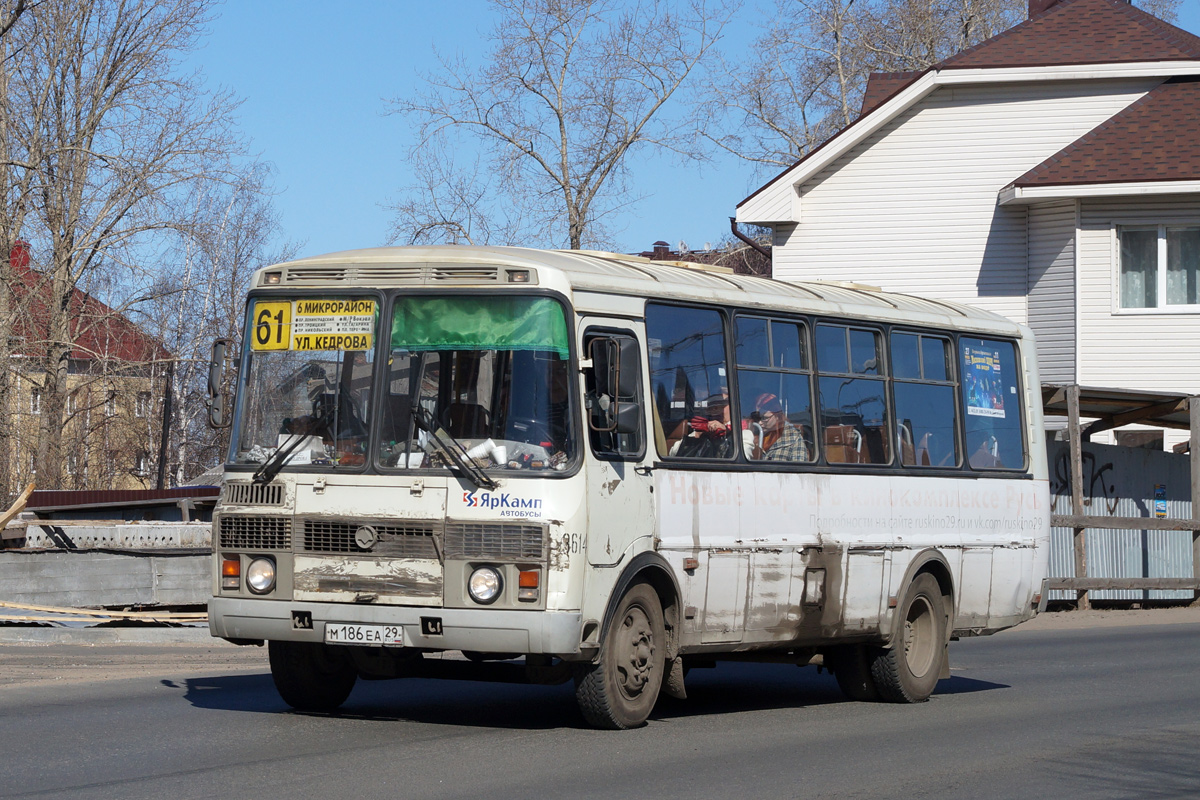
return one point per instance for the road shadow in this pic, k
(733, 687)
(956, 684)
(444, 702)
(729, 688)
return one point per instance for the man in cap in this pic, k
(780, 441)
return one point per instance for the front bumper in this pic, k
(482, 630)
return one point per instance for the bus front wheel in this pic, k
(908, 670)
(311, 676)
(620, 689)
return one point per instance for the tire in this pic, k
(620, 689)
(851, 665)
(311, 676)
(908, 670)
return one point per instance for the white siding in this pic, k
(1155, 352)
(1052, 288)
(913, 207)
(771, 204)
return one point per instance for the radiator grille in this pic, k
(255, 533)
(501, 541)
(393, 539)
(254, 494)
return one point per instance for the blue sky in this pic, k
(315, 79)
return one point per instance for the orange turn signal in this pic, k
(231, 574)
(527, 585)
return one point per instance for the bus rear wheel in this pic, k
(620, 689)
(311, 676)
(908, 670)
(851, 665)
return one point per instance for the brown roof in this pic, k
(1154, 139)
(1082, 32)
(881, 86)
(97, 331)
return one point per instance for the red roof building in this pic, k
(97, 331)
(106, 416)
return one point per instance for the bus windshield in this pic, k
(488, 374)
(491, 372)
(310, 365)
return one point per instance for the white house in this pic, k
(1051, 174)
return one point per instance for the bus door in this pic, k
(620, 508)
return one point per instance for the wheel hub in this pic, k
(636, 657)
(919, 647)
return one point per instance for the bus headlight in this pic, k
(485, 585)
(260, 575)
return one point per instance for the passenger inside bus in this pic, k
(781, 440)
(710, 435)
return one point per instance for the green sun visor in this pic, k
(479, 323)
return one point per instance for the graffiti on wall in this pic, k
(1097, 483)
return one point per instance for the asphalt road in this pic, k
(1106, 712)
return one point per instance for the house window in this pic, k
(141, 465)
(1159, 266)
(35, 401)
(72, 405)
(72, 463)
(142, 408)
(110, 404)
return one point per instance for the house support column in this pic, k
(1194, 455)
(1079, 542)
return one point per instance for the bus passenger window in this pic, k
(775, 390)
(926, 414)
(992, 404)
(853, 394)
(688, 381)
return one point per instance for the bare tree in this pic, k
(453, 203)
(1167, 10)
(230, 227)
(110, 135)
(14, 192)
(801, 82)
(910, 35)
(805, 77)
(569, 89)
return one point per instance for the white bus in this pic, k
(617, 469)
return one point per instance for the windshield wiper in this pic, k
(270, 468)
(451, 449)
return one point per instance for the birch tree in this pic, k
(111, 135)
(567, 91)
(231, 229)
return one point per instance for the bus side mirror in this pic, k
(615, 361)
(613, 403)
(218, 416)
